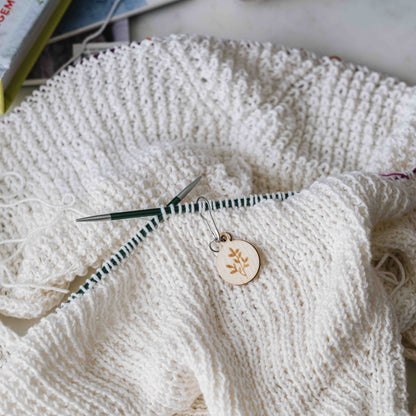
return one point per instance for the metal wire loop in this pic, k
(215, 250)
(214, 230)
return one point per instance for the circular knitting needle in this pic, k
(150, 212)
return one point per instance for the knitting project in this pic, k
(325, 326)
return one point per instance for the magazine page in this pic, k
(86, 15)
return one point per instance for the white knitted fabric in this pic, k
(318, 332)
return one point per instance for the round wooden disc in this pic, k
(238, 261)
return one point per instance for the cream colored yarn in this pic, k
(317, 333)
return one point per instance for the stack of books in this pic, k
(38, 36)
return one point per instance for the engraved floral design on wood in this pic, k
(240, 263)
(233, 260)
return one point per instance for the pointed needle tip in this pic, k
(100, 217)
(84, 219)
(189, 188)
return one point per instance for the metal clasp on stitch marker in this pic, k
(238, 261)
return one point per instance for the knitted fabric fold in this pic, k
(313, 334)
(318, 332)
(276, 118)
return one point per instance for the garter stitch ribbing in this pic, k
(317, 333)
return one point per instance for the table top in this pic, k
(378, 34)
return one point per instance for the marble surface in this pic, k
(379, 34)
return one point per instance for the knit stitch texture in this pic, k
(318, 332)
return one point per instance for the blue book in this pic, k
(83, 15)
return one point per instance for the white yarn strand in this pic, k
(67, 202)
(90, 37)
(389, 276)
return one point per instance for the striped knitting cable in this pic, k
(127, 248)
